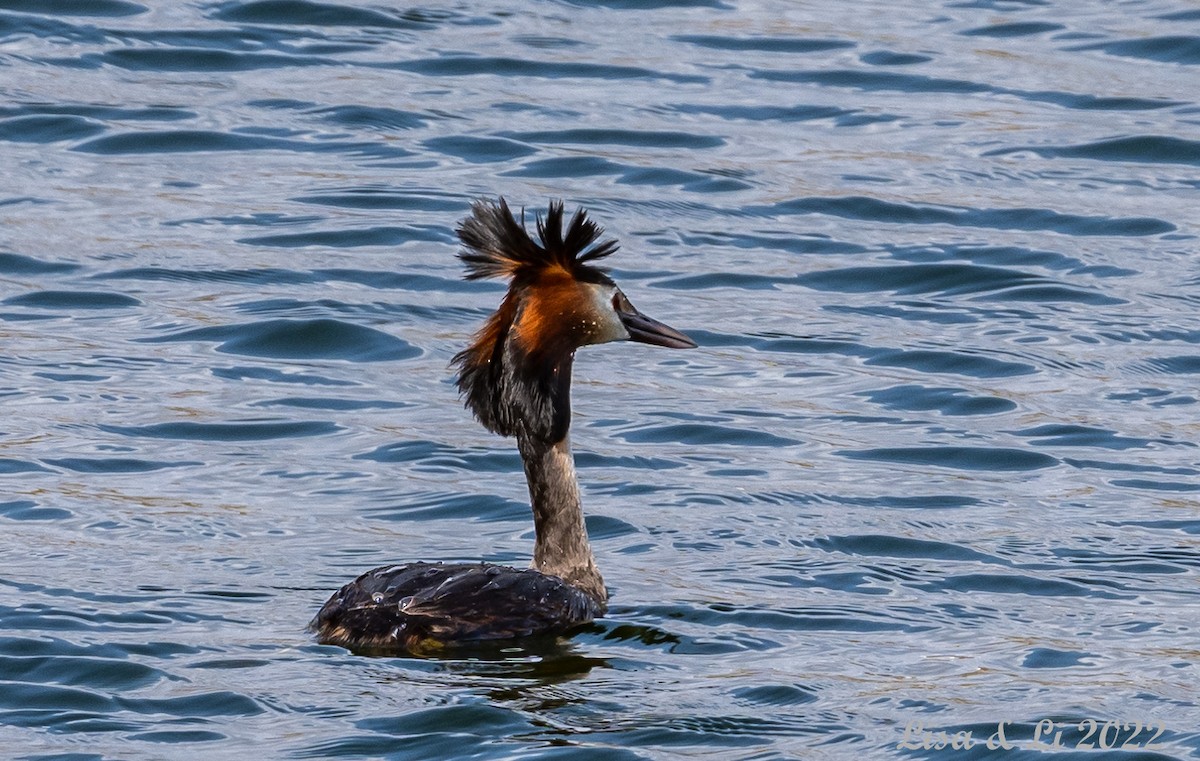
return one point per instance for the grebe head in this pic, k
(516, 374)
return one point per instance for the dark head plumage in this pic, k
(518, 382)
(516, 374)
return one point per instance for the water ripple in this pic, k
(1183, 49)
(633, 138)
(307, 13)
(311, 339)
(189, 141)
(883, 81)
(116, 464)
(933, 457)
(99, 8)
(1013, 29)
(947, 401)
(772, 44)
(237, 431)
(198, 59)
(1153, 149)
(499, 66)
(958, 458)
(873, 209)
(68, 300)
(46, 128)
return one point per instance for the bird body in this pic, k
(421, 607)
(515, 377)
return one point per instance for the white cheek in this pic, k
(611, 329)
(606, 325)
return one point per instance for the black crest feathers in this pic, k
(497, 245)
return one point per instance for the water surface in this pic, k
(935, 467)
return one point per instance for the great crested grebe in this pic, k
(515, 377)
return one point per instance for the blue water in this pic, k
(935, 468)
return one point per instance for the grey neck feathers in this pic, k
(561, 547)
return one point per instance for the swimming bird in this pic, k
(515, 376)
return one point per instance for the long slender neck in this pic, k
(561, 547)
